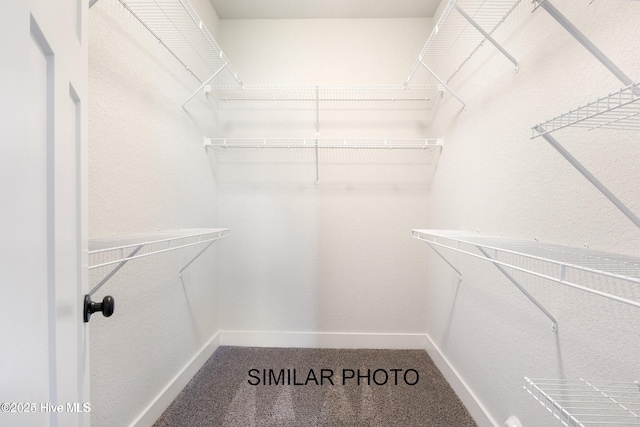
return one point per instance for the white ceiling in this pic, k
(301, 9)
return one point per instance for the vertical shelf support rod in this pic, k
(554, 322)
(604, 190)
(584, 41)
(487, 36)
(317, 132)
(115, 270)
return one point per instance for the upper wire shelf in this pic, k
(312, 143)
(581, 403)
(178, 27)
(354, 96)
(573, 267)
(617, 110)
(455, 39)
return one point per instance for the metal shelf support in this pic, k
(317, 133)
(206, 82)
(444, 85)
(195, 258)
(592, 179)
(554, 322)
(184, 239)
(432, 244)
(444, 258)
(115, 270)
(584, 41)
(487, 36)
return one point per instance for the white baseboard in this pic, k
(323, 340)
(476, 409)
(162, 401)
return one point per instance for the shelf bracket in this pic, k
(317, 132)
(592, 179)
(444, 84)
(554, 322)
(445, 260)
(115, 270)
(195, 258)
(487, 36)
(584, 41)
(206, 82)
(92, 2)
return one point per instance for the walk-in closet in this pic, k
(336, 213)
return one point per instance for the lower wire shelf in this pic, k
(115, 250)
(613, 276)
(582, 403)
(574, 267)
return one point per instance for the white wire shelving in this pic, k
(458, 35)
(616, 110)
(578, 268)
(177, 26)
(313, 143)
(329, 96)
(317, 144)
(582, 403)
(115, 252)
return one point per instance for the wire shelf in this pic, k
(116, 250)
(179, 28)
(617, 110)
(312, 143)
(327, 96)
(573, 267)
(581, 403)
(454, 40)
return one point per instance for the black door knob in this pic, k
(107, 306)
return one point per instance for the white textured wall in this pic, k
(148, 171)
(494, 179)
(336, 257)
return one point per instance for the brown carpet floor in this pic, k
(396, 388)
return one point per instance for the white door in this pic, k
(43, 134)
